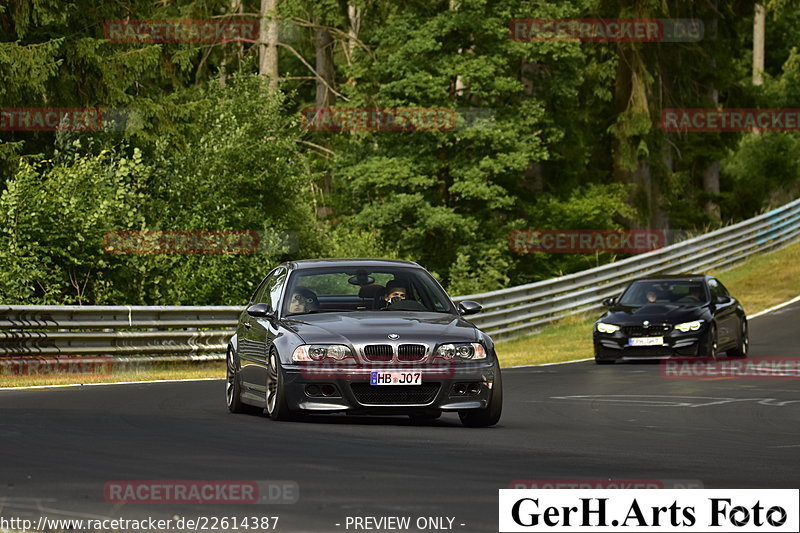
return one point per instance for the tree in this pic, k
(268, 42)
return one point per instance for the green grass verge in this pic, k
(760, 283)
(565, 340)
(150, 372)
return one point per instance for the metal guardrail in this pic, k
(118, 330)
(129, 330)
(523, 309)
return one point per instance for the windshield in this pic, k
(664, 292)
(348, 289)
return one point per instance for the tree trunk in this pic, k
(323, 44)
(711, 187)
(759, 24)
(534, 177)
(711, 170)
(235, 7)
(661, 220)
(632, 95)
(457, 87)
(268, 43)
(354, 26)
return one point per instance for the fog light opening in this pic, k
(460, 389)
(312, 390)
(474, 388)
(328, 390)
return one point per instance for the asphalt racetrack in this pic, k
(570, 422)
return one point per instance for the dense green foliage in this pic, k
(561, 135)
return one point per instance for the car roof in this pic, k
(676, 277)
(364, 263)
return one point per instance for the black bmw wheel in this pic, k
(233, 386)
(743, 345)
(711, 345)
(277, 408)
(489, 415)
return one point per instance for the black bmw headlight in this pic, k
(686, 327)
(604, 327)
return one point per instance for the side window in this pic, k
(714, 287)
(717, 288)
(272, 294)
(258, 295)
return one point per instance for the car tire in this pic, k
(489, 415)
(276, 405)
(710, 350)
(233, 384)
(743, 343)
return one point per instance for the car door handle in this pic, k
(247, 325)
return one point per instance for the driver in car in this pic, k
(303, 300)
(395, 292)
(694, 294)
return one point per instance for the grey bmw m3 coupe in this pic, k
(361, 336)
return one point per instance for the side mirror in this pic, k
(261, 310)
(468, 307)
(608, 302)
(723, 299)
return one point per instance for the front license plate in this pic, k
(395, 378)
(646, 341)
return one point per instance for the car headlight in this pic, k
(689, 326)
(602, 327)
(472, 350)
(318, 352)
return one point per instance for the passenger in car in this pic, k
(368, 292)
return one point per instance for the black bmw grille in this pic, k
(378, 352)
(367, 394)
(410, 352)
(655, 330)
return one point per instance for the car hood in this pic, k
(623, 315)
(374, 327)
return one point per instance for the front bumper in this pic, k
(352, 393)
(615, 346)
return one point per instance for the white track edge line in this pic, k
(774, 308)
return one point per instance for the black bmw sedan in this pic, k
(361, 336)
(671, 316)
